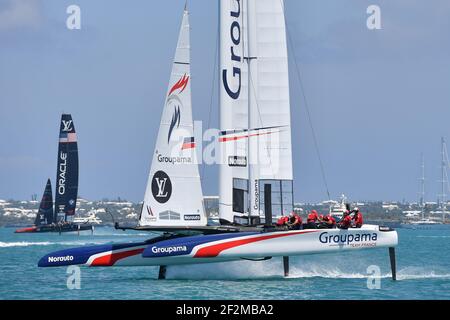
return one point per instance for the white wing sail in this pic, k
(174, 195)
(254, 109)
(270, 114)
(233, 174)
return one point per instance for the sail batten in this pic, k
(174, 195)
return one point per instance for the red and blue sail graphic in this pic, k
(181, 84)
(176, 118)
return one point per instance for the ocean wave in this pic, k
(430, 275)
(124, 234)
(415, 273)
(80, 243)
(23, 244)
(337, 274)
(438, 237)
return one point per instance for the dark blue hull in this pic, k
(56, 228)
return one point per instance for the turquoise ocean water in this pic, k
(423, 258)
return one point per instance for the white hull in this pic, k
(229, 247)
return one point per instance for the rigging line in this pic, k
(249, 59)
(249, 75)
(215, 69)
(446, 155)
(445, 180)
(297, 69)
(445, 165)
(259, 114)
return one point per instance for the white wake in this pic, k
(242, 270)
(46, 243)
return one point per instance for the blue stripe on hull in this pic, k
(185, 245)
(79, 256)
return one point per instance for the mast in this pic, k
(422, 187)
(252, 122)
(444, 178)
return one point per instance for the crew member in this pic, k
(346, 221)
(295, 221)
(312, 220)
(321, 224)
(283, 221)
(358, 218)
(329, 221)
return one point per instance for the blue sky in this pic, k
(377, 98)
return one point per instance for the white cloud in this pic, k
(19, 14)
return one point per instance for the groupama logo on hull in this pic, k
(348, 239)
(167, 251)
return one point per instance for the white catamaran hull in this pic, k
(224, 247)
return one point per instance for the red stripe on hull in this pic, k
(110, 259)
(26, 230)
(214, 250)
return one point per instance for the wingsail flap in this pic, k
(271, 151)
(254, 109)
(174, 195)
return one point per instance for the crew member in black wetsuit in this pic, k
(313, 217)
(295, 221)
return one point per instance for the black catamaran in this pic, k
(61, 219)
